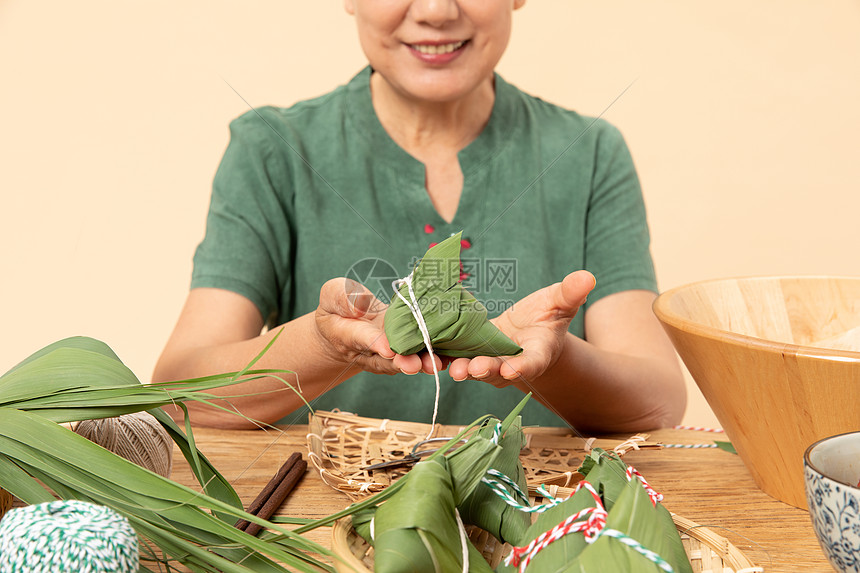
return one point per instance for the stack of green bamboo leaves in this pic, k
(40, 460)
(456, 321)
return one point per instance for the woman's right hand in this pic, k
(349, 321)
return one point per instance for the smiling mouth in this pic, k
(433, 49)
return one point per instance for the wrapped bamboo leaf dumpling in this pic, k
(416, 529)
(456, 321)
(484, 507)
(639, 537)
(614, 523)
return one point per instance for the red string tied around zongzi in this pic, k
(593, 523)
(653, 494)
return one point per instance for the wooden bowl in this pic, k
(777, 359)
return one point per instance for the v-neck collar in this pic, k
(409, 174)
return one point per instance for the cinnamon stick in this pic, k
(270, 488)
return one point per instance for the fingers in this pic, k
(345, 324)
(359, 299)
(500, 371)
(427, 363)
(459, 369)
(478, 368)
(348, 298)
(379, 344)
(572, 292)
(411, 364)
(415, 363)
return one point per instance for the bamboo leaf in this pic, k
(636, 517)
(61, 369)
(416, 529)
(556, 556)
(456, 321)
(484, 508)
(469, 463)
(79, 342)
(20, 484)
(71, 464)
(81, 378)
(726, 446)
(213, 483)
(607, 475)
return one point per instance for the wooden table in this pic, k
(709, 486)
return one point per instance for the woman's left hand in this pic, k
(538, 323)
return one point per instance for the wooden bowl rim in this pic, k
(669, 317)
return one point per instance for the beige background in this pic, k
(742, 117)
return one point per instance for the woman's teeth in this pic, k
(437, 48)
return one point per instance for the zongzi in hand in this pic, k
(456, 321)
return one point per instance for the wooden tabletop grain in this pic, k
(709, 486)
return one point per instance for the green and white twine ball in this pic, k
(67, 537)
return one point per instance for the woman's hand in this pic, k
(349, 322)
(538, 323)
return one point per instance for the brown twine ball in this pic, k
(137, 437)
(5, 501)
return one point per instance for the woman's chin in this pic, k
(438, 86)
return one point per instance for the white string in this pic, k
(425, 334)
(463, 541)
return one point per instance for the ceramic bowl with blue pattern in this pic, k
(831, 472)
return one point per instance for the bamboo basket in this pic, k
(341, 445)
(5, 502)
(708, 552)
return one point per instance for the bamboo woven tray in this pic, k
(707, 551)
(340, 445)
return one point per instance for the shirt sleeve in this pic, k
(617, 247)
(248, 244)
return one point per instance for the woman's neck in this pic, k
(431, 128)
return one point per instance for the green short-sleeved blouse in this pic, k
(319, 190)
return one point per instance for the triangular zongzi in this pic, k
(456, 321)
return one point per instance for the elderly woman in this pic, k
(427, 141)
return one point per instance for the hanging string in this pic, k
(699, 429)
(464, 540)
(695, 429)
(412, 304)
